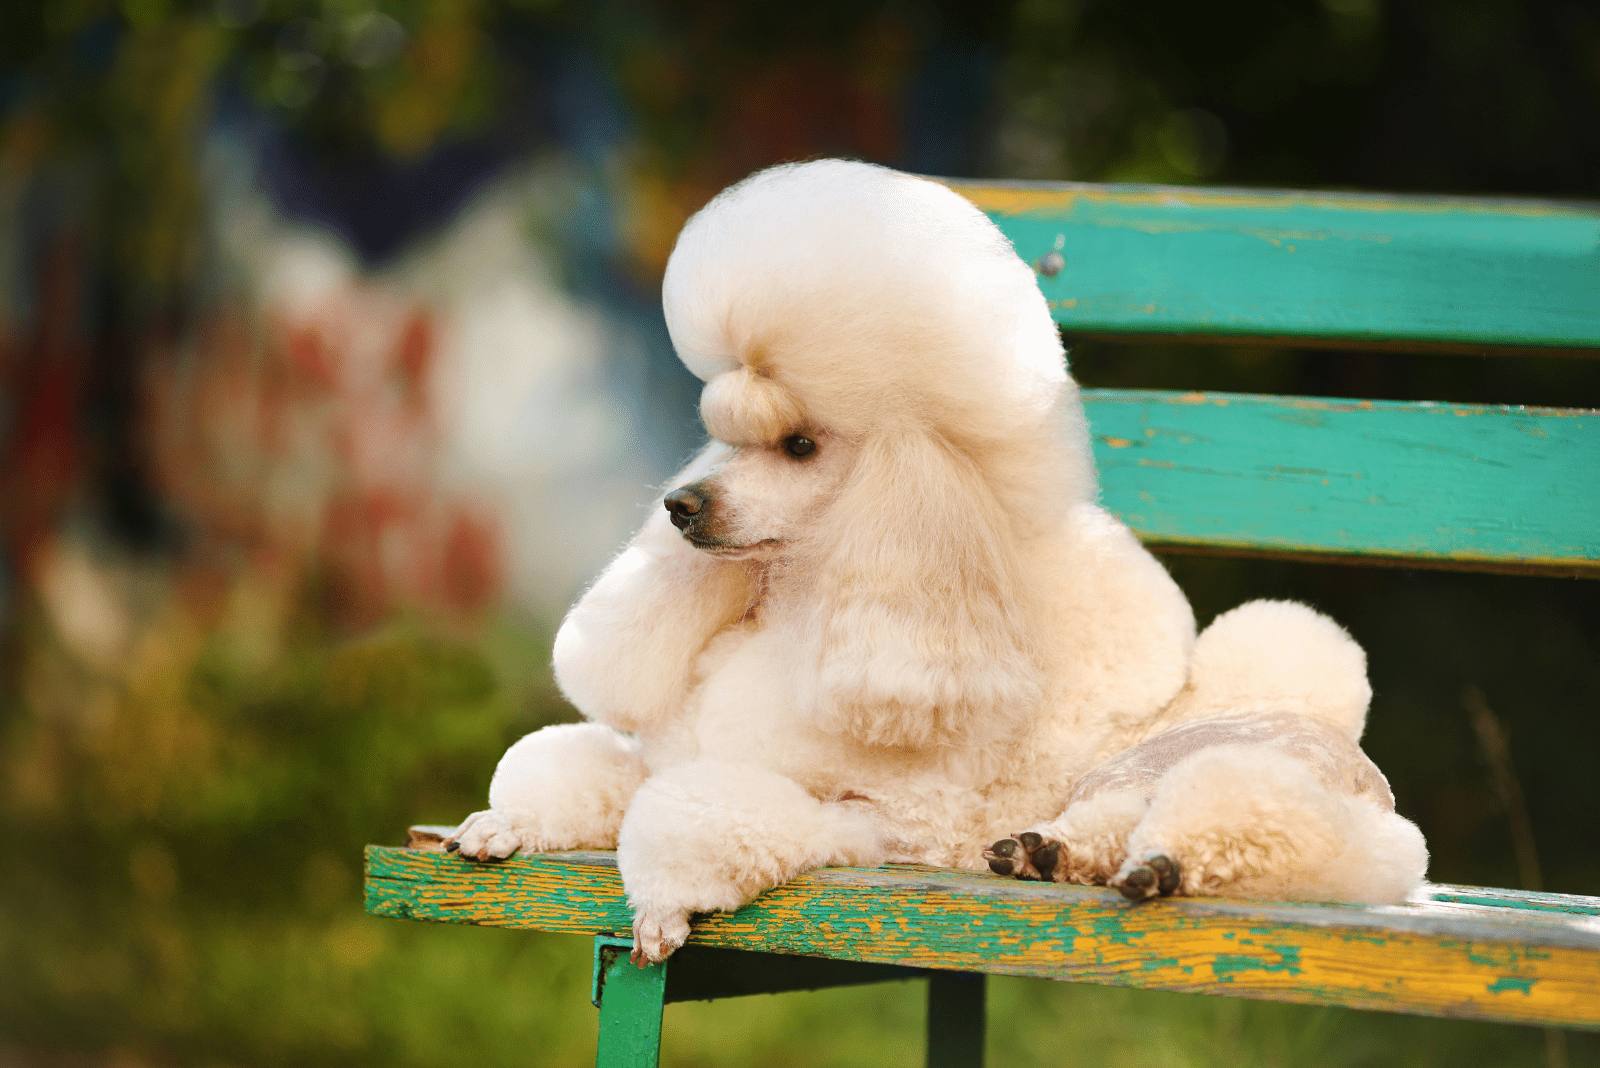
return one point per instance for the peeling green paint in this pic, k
(1151, 964)
(1112, 929)
(1509, 899)
(1511, 982)
(1226, 966)
(1357, 936)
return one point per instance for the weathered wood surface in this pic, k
(1443, 485)
(1537, 961)
(1243, 264)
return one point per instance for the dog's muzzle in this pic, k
(685, 505)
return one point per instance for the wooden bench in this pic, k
(1414, 485)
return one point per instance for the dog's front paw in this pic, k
(1143, 877)
(1029, 855)
(487, 835)
(656, 933)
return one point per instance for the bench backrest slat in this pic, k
(1308, 267)
(1461, 486)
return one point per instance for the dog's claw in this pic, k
(484, 837)
(1138, 884)
(656, 934)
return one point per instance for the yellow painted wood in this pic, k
(1536, 962)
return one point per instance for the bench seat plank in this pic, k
(1417, 484)
(1537, 961)
(1296, 266)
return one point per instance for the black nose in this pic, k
(684, 504)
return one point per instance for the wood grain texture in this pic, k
(1451, 485)
(1142, 260)
(1449, 956)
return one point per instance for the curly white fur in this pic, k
(895, 623)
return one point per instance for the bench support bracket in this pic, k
(630, 999)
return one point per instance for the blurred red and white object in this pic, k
(442, 435)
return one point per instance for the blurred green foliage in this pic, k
(198, 898)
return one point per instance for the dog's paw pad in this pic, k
(1029, 855)
(1168, 873)
(1002, 856)
(1154, 873)
(1046, 859)
(1138, 883)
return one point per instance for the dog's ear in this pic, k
(917, 628)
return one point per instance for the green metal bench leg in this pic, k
(630, 1001)
(956, 1019)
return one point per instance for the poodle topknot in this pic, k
(880, 616)
(872, 298)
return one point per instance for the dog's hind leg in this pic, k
(1254, 821)
(1265, 806)
(1085, 844)
(710, 835)
(563, 787)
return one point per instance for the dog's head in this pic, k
(757, 495)
(895, 424)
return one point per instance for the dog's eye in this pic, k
(798, 446)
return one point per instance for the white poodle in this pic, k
(882, 618)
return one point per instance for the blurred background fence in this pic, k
(332, 364)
